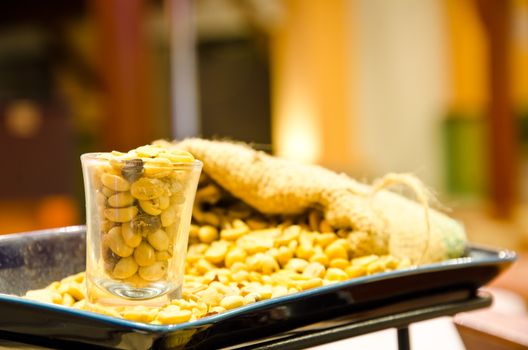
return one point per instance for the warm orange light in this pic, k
(297, 134)
(57, 211)
(468, 56)
(311, 83)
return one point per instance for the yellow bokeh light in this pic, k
(297, 135)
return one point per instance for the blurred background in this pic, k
(438, 88)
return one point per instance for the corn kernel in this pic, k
(204, 266)
(404, 263)
(256, 242)
(67, 300)
(321, 258)
(217, 309)
(140, 314)
(314, 269)
(375, 267)
(236, 254)
(308, 284)
(296, 264)
(269, 264)
(232, 301)
(335, 274)
(76, 290)
(210, 296)
(279, 291)
(289, 234)
(336, 250)
(232, 234)
(250, 298)
(391, 262)
(284, 254)
(354, 271)
(167, 317)
(325, 239)
(340, 263)
(216, 252)
(207, 234)
(364, 260)
(240, 276)
(193, 231)
(304, 251)
(325, 227)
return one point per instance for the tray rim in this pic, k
(499, 255)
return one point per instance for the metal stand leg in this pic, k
(403, 339)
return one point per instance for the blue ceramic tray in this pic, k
(35, 259)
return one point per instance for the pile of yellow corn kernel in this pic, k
(237, 266)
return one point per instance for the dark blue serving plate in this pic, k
(33, 260)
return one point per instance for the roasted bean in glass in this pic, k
(159, 240)
(153, 272)
(126, 267)
(115, 182)
(132, 170)
(145, 224)
(117, 243)
(144, 254)
(131, 238)
(147, 189)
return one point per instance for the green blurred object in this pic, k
(465, 145)
(523, 131)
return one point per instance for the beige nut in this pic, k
(144, 254)
(131, 238)
(107, 192)
(151, 206)
(159, 240)
(147, 189)
(117, 244)
(125, 267)
(153, 272)
(121, 199)
(115, 182)
(169, 216)
(120, 214)
(163, 256)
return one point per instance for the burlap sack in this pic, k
(397, 225)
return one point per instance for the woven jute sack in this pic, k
(395, 224)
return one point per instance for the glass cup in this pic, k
(138, 214)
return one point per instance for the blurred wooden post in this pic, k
(496, 16)
(312, 117)
(123, 70)
(185, 121)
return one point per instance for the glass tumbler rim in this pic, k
(96, 156)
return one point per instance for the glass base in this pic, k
(128, 292)
(111, 292)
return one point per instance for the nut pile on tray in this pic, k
(237, 256)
